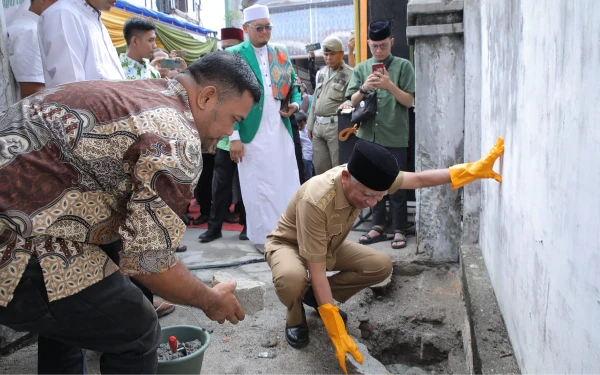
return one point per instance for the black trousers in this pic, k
(224, 171)
(203, 191)
(112, 317)
(398, 207)
(298, 149)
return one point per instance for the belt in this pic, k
(326, 119)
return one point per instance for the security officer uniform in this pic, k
(322, 119)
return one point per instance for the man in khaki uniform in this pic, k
(332, 81)
(311, 236)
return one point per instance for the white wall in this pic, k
(540, 229)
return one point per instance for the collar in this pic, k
(176, 88)
(29, 14)
(340, 197)
(261, 49)
(386, 60)
(87, 8)
(144, 62)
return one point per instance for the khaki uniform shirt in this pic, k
(319, 218)
(330, 93)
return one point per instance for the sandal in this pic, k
(370, 240)
(396, 241)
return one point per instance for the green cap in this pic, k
(332, 44)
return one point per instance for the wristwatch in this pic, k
(360, 89)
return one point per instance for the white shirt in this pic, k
(75, 45)
(305, 142)
(24, 48)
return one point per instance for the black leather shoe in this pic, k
(243, 236)
(201, 220)
(310, 300)
(210, 235)
(297, 336)
(231, 219)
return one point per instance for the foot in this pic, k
(310, 300)
(186, 219)
(163, 308)
(399, 241)
(231, 219)
(210, 235)
(373, 236)
(243, 235)
(201, 220)
(181, 249)
(297, 336)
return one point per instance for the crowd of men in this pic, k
(100, 175)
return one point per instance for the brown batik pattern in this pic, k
(89, 163)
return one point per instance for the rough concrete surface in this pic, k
(493, 353)
(411, 325)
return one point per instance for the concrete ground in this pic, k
(242, 348)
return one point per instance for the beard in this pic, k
(209, 144)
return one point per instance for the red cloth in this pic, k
(232, 33)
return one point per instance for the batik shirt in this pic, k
(89, 163)
(136, 70)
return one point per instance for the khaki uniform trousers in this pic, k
(325, 147)
(360, 267)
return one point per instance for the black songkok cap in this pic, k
(380, 30)
(373, 166)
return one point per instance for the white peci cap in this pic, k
(256, 12)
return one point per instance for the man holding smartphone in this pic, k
(394, 79)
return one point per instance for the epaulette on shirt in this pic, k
(324, 201)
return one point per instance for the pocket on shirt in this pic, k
(334, 230)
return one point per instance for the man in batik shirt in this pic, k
(87, 165)
(140, 36)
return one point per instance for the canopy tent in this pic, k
(171, 33)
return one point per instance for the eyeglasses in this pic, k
(382, 46)
(261, 28)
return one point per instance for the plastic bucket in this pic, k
(191, 364)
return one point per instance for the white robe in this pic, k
(269, 172)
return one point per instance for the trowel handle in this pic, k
(173, 344)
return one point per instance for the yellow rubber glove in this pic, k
(337, 333)
(462, 174)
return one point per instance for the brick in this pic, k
(249, 293)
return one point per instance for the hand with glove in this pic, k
(339, 337)
(462, 174)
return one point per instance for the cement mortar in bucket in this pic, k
(190, 364)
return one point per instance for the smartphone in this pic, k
(378, 67)
(170, 63)
(313, 47)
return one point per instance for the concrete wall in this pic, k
(540, 84)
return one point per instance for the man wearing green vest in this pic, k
(389, 128)
(262, 143)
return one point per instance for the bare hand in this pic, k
(311, 54)
(183, 64)
(345, 105)
(310, 135)
(236, 151)
(291, 110)
(382, 81)
(351, 44)
(223, 305)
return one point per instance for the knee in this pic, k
(291, 282)
(380, 267)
